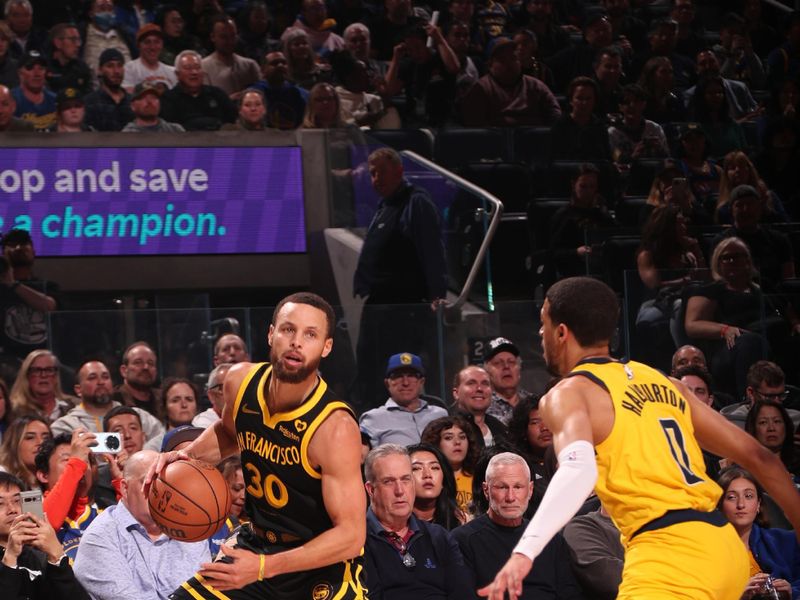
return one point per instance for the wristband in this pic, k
(724, 330)
(262, 561)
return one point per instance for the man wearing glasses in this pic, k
(405, 414)
(765, 382)
(65, 68)
(406, 557)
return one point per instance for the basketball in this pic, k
(189, 500)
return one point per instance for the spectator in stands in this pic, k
(741, 105)
(125, 421)
(579, 134)
(738, 169)
(777, 161)
(698, 380)
(148, 68)
(709, 106)
(285, 101)
(784, 102)
(252, 111)
(492, 20)
(773, 552)
(108, 108)
(180, 407)
(139, 371)
(472, 396)
(37, 388)
(689, 34)
(124, 552)
(486, 541)
(193, 105)
(434, 487)
(503, 363)
(8, 65)
(531, 438)
(313, 20)
(571, 225)
(665, 260)
(231, 469)
(357, 106)
(357, 41)
(766, 382)
(608, 73)
(577, 60)
(761, 33)
(404, 416)
(662, 39)
(539, 18)
(771, 250)
(305, 70)
(596, 553)
(230, 348)
(323, 110)
(146, 106)
(461, 444)
(35, 103)
(24, 299)
(132, 15)
(742, 64)
(657, 79)
(636, 137)
(784, 61)
(504, 97)
(628, 31)
(769, 422)
(67, 471)
(399, 546)
(101, 34)
(387, 29)
(176, 37)
(70, 112)
(702, 172)
(225, 69)
(8, 106)
(427, 76)
(725, 315)
(527, 52)
(688, 356)
(66, 69)
(458, 40)
(254, 25)
(93, 387)
(27, 37)
(216, 380)
(21, 442)
(33, 565)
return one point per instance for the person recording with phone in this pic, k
(33, 565)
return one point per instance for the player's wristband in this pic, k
(262, 562)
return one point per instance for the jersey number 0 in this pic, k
(677, 447)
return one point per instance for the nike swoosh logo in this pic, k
(250, 411)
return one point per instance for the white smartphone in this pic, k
(110, 443)
(32, 503)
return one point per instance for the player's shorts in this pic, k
(692, 560)
(340, 581)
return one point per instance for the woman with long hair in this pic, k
(769, 422)
(304, 67)
(434, 487)
(179, 397)
(323, 109)
(20, 444)
(37, 388)
(657, 80)
(461, 445)
(772, 552)
(709, 106)
(738, 169)
(231, 469)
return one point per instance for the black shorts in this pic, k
(340, 581)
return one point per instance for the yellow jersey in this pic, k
(650, 463)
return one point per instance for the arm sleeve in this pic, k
(58, 501)
(572, 483)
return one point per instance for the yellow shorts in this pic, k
(691, 560)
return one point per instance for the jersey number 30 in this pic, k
(677, 447)
(272, 488)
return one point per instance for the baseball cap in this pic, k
(691, 128)
(498, 345)
(593, 15)
(404, 360)
(149, 29)
(110, 54)
(68, 96)
(32, 57)
(184, 433)
(16, 236)
(146, 87)
(743, 191)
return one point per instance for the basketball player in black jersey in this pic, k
(301, 456)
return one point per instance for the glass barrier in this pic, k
(465, 215)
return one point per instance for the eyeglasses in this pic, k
(776, 397)
(42, 371)
(409, 562)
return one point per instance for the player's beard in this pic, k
(292, 376)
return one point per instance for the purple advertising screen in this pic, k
(144, 201)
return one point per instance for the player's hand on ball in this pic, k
(159, 465)
(239, 572)
(509, 579)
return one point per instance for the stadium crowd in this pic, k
(675, 124)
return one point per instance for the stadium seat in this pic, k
(416, 140)
(531, 146)
(511, 183)
(460, 147)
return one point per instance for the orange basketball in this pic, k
(189, 500)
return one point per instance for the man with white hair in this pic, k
(216, 379)
(124, 556)
(487, 540)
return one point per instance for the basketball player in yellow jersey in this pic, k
(301, 454)
(644, 429)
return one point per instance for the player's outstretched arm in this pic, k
(718, 435)
(565, 412)
(215, 443)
